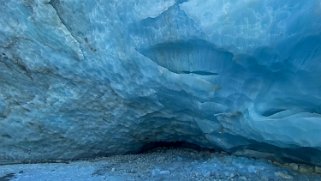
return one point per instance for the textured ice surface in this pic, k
(88, 78)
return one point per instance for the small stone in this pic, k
(207, 174)
(294, 166)
(305, 169)
(251, 169)
(131, 171)
(276, 163)
(283, 175)
(164, 172)
(155, 172)
(213, 174)
(317, 169)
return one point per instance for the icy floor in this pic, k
(160, 164)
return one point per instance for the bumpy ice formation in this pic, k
(81, 79)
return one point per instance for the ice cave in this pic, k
(97, 78)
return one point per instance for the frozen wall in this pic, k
(90, 78)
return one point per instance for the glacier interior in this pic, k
(80, 79)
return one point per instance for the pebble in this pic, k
(251, 169)
(179, 158)
(305, 169)
(148, 167)
(243, 178)
(156, 172)
(294, 166)
(284, 175)
(132, 171)
(207, 174)
(317, 169)
(164, 172)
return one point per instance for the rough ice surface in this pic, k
(89, 78)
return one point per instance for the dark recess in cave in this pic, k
(153, 146)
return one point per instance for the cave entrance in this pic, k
(158, 145)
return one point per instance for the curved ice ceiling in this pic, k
(81, 79)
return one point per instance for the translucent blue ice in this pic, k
(88, 78)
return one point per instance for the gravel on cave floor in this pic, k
(159, 164)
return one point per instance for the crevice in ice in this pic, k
(176, 4)
(301, 155)
(199, 72)
(55, 5)
(282, 111)
(15, 63)
(272, 112)
(189, 57)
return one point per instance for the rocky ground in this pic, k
(159, 164)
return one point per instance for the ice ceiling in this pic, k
(81, 79)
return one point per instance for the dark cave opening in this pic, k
(153, 146)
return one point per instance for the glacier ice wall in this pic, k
(89, 78)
